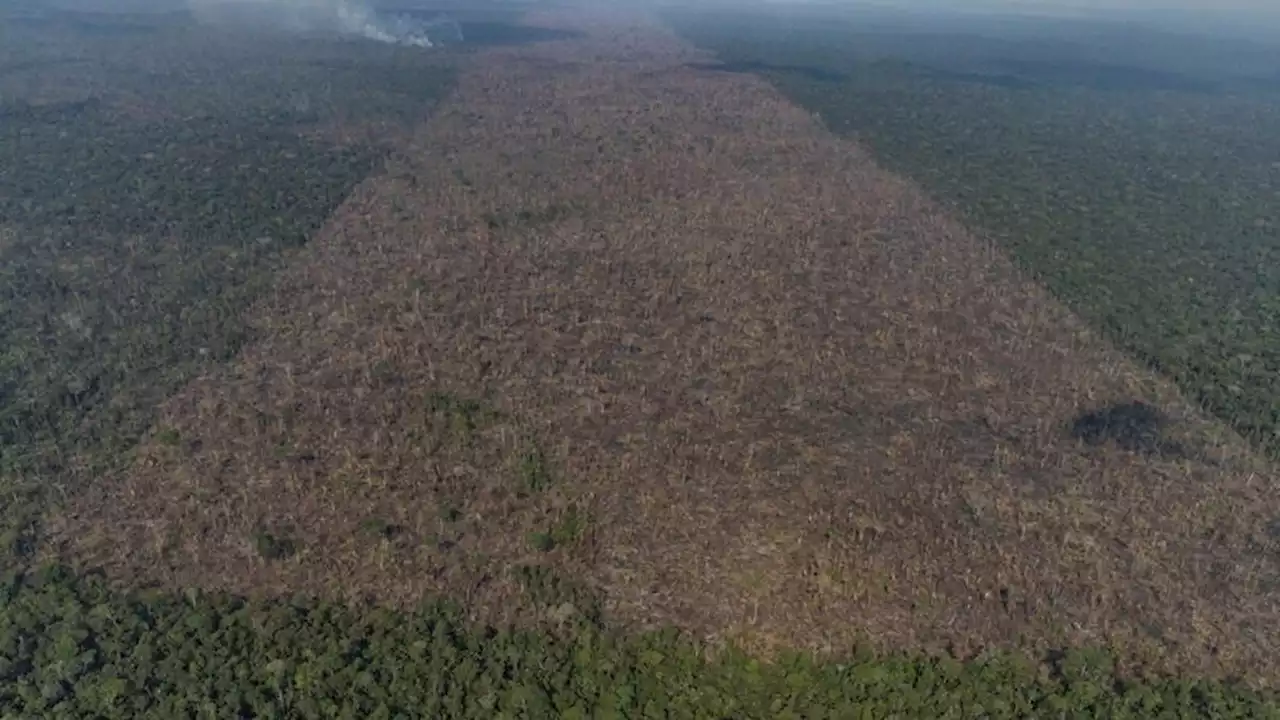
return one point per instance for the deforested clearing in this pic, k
(654, 329)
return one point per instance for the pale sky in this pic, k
(1257, 20)
(1207, 6)
(1214, 12)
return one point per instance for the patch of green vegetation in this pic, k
(461, 177)
(380, 528)
(526, 217)
(570, 527)
(23, 505)
(72, 648)
(542, 541)
(450, 512)
(569, 600)
(463, 417)
(535, 476)
(567, 529)
(1140, 185)
(273, 546)
(169, 436)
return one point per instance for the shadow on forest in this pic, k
(1134, 426)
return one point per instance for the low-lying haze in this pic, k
(346, 17)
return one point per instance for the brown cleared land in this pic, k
(744, 381)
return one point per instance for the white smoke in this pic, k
(343, 17)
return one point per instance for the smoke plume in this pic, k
(342, 17)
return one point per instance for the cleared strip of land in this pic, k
(655, 328)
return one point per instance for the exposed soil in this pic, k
(656, 327)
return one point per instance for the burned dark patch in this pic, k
(1134, 426)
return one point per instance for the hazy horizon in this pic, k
(1257, 19)
(1109, 6)
(1252, 19)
